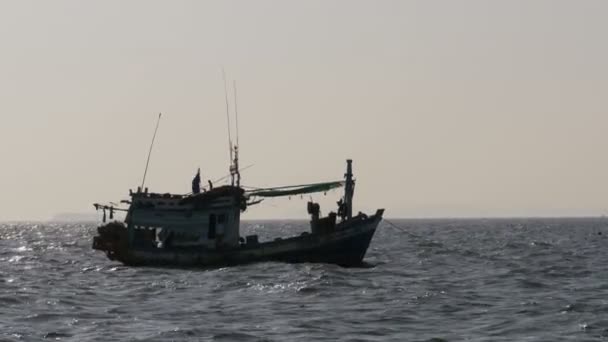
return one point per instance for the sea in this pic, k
(535, 279)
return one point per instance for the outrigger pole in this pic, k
(150, 152)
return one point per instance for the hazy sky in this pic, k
(448, 108)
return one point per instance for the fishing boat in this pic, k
(202, 229)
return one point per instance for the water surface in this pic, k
(430, 280)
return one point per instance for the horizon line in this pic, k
(386, 218)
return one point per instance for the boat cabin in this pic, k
(209, 220)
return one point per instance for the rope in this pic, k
(401, 229)
(415, 236)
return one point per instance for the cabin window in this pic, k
(221, 219)
(212, 227)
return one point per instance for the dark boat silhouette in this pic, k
(203, 230)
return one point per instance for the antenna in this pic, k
(227, 114)
(150, 152)
(236, 113)
(236, 147)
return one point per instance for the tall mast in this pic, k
(236, 113)
(228, 121)
(235, 164)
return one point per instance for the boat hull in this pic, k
(345, 246)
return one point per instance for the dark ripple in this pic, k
(439, 280)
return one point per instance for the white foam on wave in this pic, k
(22, 249)
(16, 258)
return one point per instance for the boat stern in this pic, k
(111, 239)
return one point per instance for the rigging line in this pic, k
(236, 113)
(249, 187)
(299, 185)
(221, 179)
(227, 114)
(150, 152)
(226, 176)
